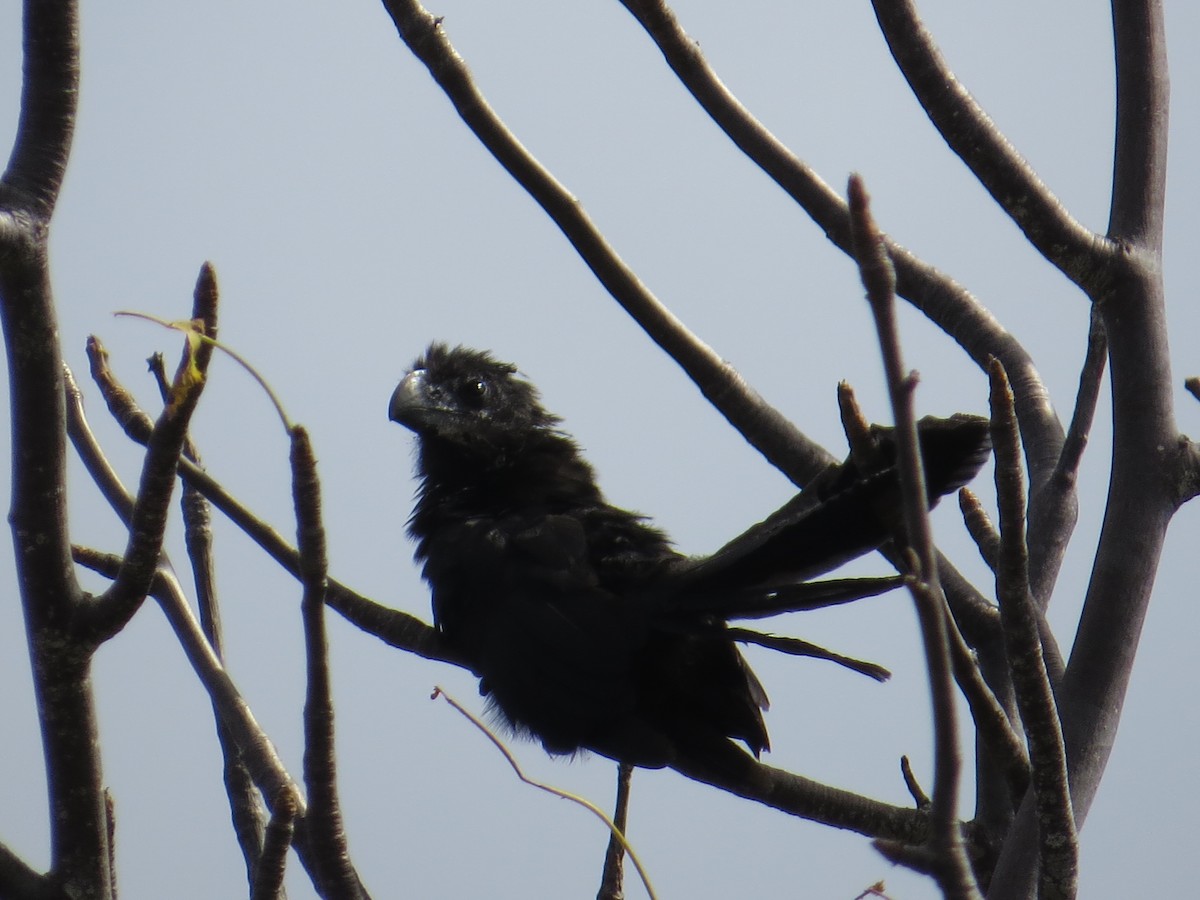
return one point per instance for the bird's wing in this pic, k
(520, 598)
(841, 516)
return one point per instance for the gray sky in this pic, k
(352, 218)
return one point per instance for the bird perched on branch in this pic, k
(585, 627)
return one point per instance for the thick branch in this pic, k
(1143, 104)
(970, 133)
(49, 96)
(80, 858)
(938, 296)
(1140, 500)
(1146, 449)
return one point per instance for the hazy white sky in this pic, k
(352, 218)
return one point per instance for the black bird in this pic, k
(585, 627)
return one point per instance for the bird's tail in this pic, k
(846, 512)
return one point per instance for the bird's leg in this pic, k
(613, 881)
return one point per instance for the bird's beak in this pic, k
(410, 399)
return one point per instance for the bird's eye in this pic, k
(473, 392)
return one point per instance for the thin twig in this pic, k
(612, 882)
(245, 807)
(1059, 851)
(269, 772)
(1054, 507)
(148, 520)
(334, 874)
(992, 722)
(979, 526)
(550, 789)
(954, 871)
(399, 629)
(914, 787)
(209, 341)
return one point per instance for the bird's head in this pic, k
(468, 399)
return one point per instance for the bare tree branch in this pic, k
(953, 871)
(268, 770)
(1054, 508)
(50, 595)
(798, 796)
(1146, 450)
(392, 626)
(333, 873)
(945, 302)
(49, 95)
(1058, 853)
(1143, 108)
(268, 876)
(763, 426)
(914, 787)
(1003, 172)
(992, 723)
(245, 806)
(1139, 500)
(612, 882)
(148, 519)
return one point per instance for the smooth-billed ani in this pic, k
(585, 627)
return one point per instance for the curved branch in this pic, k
(795, 795)
(762, 425)
(390, 625)
(148, 518)
(945, 302)
(268, 770)
(1145, 436)
(1075, 250)
(1146, 449)
(50, 594)
(49, 97)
